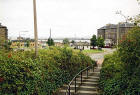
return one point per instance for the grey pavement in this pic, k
(97, 56)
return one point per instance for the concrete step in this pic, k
(96, 70)
(89, 80)
(83, 92)
(72, 87)
(92, 84)
(89, 84)
(88, 87)
(91, 77)
(90, 74)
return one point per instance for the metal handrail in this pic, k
(74, 79)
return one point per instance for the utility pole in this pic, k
(118, 27)
(19, 40)
(35, 28)
(50, 33)
(118, 30)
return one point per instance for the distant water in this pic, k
(74, 40)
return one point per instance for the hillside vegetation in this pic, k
(22, 74)
(120, 74)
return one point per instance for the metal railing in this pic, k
(68, 90)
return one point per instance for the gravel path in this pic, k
(98, 56)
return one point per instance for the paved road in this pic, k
(98, 56)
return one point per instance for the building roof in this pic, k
(1, 26)
(82, 44)
(113, 26)
(126, 25)
(31, 40)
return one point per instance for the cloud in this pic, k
(65, 17)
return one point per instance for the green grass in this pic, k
(88, 51)
(92, 51)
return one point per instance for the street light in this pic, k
(35, 28)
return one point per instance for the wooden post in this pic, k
(35, 28)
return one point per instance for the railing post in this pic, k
(69, 90)
(87, 72)
(93, 67)
(75, 84)
(81, 77)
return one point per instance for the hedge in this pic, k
(23, 74)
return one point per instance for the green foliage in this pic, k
(28, 43)
(50, 42)
(7, 44)
(93, 41)
(135, 19)
(21, 74)
(129, 50)
(114, 79)
(73, 41)
(100, 42)
(120, 73)
(66, 41)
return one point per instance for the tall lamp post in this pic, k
(35, 28)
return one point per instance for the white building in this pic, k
(81, 45)
(108, 42)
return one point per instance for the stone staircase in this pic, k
(89, 84)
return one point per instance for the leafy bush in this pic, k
(129, 50)
(120, 73)
(22, 74)
(18, 76)
(114, 79)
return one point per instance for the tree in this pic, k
(100, 42)
(27, 43)
(135, 19)
(7, 44)
(93, 41)
(129, 50)
(50, 42)
(73, 41)
(138, 1)
(2, 42)
(66, 41)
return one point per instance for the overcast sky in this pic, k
(67, 18)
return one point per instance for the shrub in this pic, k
(19, 77)
(22, 74)
(120, 73)
(129, 50)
